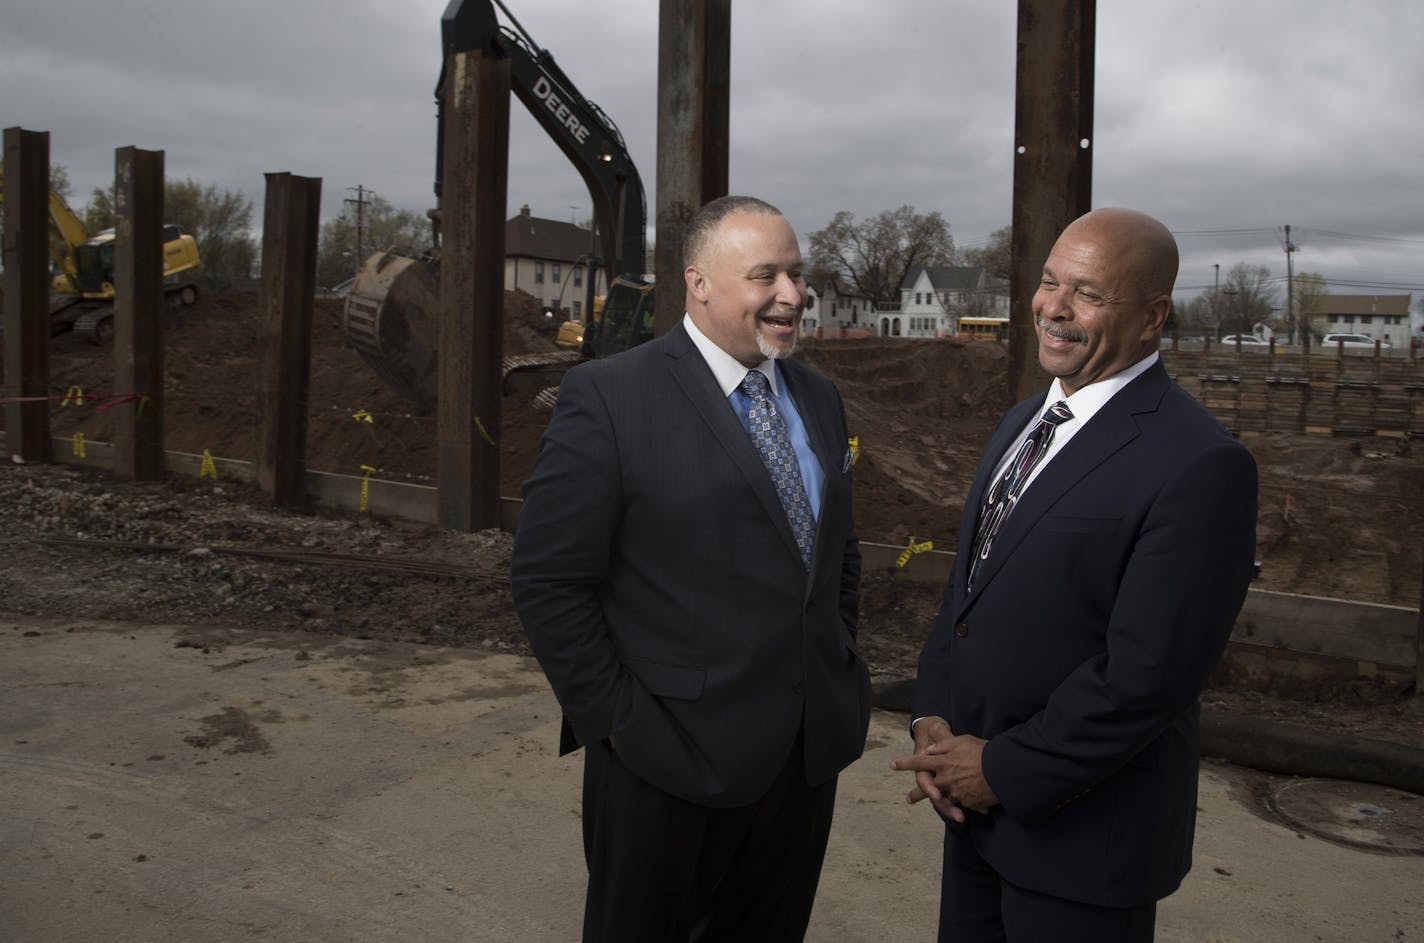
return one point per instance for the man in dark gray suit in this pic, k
(1100, 568)
(686, 570)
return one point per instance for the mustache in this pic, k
(1061, 331)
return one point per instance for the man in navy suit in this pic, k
(701, 647)
(1057, 702)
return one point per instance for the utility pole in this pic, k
(1290, 293)
(360, 203)
(1216, 298)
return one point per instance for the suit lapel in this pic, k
(696, 380)
(1106, 433)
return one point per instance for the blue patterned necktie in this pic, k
(1004, 494)
(768, 431)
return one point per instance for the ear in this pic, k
(1157, 310)
(697, 284)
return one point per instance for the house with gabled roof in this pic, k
(834, 304)
(549, 260)
(933, 298)
(1379, 317)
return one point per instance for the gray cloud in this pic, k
(1212, 115)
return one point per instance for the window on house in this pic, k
(1365, 319)
(1348, 319)
(538, 273)
(558, 272)
(578, 307)
(578, 276)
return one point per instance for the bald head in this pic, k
(1144, 247)
(1105, 294)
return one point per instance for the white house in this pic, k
(934, 298)
(834, 305)
(1380, 317)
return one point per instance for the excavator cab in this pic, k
(626, 319)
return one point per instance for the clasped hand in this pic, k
(948, 770)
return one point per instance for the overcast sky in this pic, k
(1225, 119)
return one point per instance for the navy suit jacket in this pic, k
(661, 588)
(1081, 652)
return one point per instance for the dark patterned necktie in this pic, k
(1004, 494)
(768, 431)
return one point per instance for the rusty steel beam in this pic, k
(471, 329)
(138, 300)
(694, 78)
(1053, 158)
(26, 291)
(291, 220)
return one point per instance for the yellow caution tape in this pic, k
(365, 485)
(79, 445)
(362, 416)
(913, 549)
(142, 400)
(854, 448)
(483, 432)
(208, 469)
(75, 393)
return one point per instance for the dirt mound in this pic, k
(1339, 517)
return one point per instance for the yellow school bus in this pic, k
(988, 329)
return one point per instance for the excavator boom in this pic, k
(390, 312)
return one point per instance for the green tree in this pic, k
(1310, 290)
(996, 258)
(383, 227)
(220, 222)
(874, 257)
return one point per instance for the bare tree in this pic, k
(1247, 298)
(996, 257)
(874, 257)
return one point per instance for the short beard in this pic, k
(771, 352)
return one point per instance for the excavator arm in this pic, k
(391, 310)
(587, 136)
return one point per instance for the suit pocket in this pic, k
(672, 681)
(1067, 524)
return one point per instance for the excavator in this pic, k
(82, 287)
(391, 309)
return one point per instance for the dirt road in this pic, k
(198, 785)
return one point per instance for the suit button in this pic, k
(961, 629)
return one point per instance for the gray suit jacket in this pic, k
(661, 588)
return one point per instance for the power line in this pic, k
(1394, 240)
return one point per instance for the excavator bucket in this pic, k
(390, 321)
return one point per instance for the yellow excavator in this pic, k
(82, 266)
(390, 312)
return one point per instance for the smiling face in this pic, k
(1104, 296)
(745, 289)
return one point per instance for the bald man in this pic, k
(1104, 552)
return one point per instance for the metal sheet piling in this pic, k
(1053, 158)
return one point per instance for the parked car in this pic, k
(1246, 340)
(1351, 340)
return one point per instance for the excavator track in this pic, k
(95, 324)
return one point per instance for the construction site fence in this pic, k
(1355, 392)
